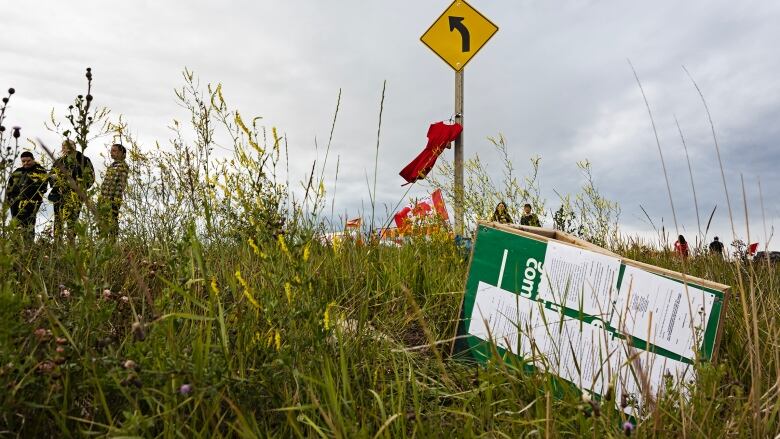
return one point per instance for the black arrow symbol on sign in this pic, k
(457, 23)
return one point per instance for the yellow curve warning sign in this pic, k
(458, 34)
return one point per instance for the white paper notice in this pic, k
(579, 279)
(502, 316)
(661, 311)
(578, 352)
(655, 371)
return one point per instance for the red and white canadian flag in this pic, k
(354, 223)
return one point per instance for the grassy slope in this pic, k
(327, 353)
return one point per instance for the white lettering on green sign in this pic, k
(532, 268)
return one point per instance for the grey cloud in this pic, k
(554, 81)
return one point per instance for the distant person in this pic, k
(716, 247)
(71, 173)
(529, 218)
(501, 215)
(24, 194)
(681, 247)
(112, 191)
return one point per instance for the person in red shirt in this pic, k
(681, 247)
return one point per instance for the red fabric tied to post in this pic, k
(439, 136)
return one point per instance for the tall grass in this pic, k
(203, 320)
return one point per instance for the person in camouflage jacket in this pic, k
(24, 193)
(112, 191)
(71, 175)
(528, 218)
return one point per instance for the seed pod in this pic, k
(138, 331)
(596, 408)
(610, 393)
(11, 91)
(46, 367)
(103, 342)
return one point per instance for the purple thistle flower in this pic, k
(185, 389)
(628, 428)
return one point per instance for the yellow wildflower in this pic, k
(326, 316)
(288, 292)
(254, 247)
(278, 340)
(240, 123)
(247, 291)
(306, 252)
(283, 245)
(277, 139)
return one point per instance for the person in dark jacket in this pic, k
(71, 174)
(529, 218)
(716, 247)
(24, 193)
(501, 215)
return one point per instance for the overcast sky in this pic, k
(554, 80)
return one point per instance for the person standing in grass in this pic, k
(529, 218)
(681, 247)
(501, 215)
(24, 194)
(71, 175)
(716, 247)
(112, 191)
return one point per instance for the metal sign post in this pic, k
(459, 154)
(456, 36)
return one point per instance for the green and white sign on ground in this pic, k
(585, 314)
